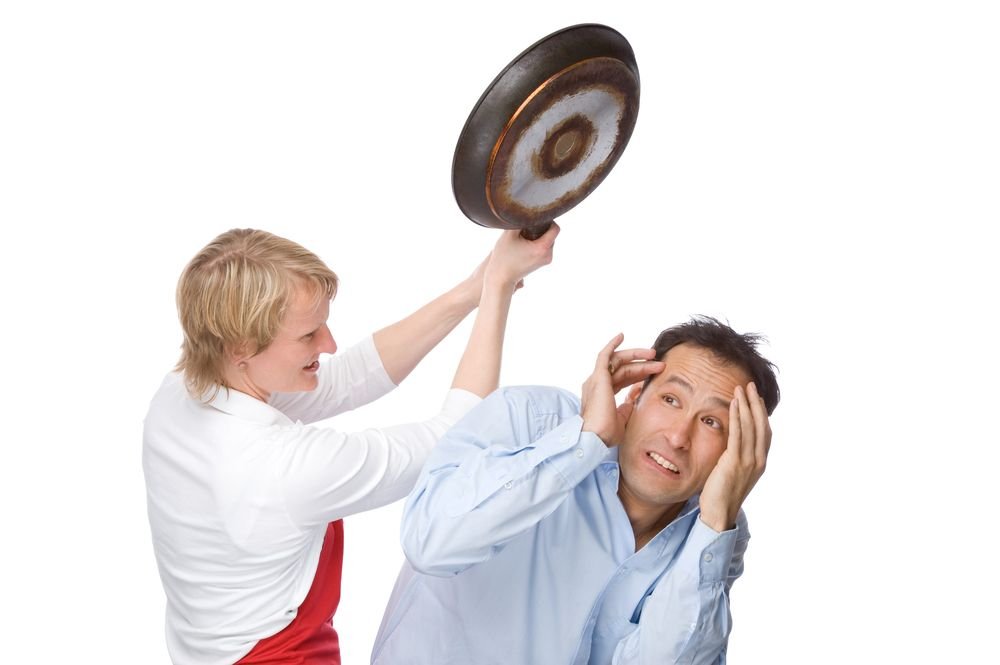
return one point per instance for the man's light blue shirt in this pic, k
(520, 551)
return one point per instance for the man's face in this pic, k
(290, 362)
(678, 429)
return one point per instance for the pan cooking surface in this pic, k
(562, 141)
(548, 129)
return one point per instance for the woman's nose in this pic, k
(327, 343)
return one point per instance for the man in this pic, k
(544, 532)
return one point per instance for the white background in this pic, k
(826, 174)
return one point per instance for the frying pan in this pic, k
(547, 130)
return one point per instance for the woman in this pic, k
(245, 497)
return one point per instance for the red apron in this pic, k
(310, 638)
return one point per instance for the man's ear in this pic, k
(627, 408)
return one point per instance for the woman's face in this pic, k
(290, 362)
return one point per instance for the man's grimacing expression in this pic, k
(679, 427)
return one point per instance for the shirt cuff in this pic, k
(457, 403)
(371, 358)
(581, 451)
(713, 549)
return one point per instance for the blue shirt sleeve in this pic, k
(686, 620)
(501, 469)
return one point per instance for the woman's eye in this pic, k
(670, 399)
(713, 423)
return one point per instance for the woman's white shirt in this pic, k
(240, 492)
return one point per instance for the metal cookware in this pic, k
(547, 130)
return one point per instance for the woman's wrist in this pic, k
(465, 296)
(496, 282)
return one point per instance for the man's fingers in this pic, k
(735, 430)
(747, 449)
(634, 372)
(604, 357)
(628, 355)
(625, 356)
(761, 426)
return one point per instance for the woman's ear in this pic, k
(237, 355)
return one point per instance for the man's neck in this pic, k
(647, 520)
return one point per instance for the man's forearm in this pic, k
(489, 479)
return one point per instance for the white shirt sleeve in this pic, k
(347, 380)
(325, 475)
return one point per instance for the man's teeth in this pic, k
(664, 462)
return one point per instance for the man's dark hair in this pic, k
(728, 346)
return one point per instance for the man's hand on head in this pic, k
(613, 371)
(741, 464)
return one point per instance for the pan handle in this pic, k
(536, 232)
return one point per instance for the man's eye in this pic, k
(712, 422)
(670, 399)
(308, 336)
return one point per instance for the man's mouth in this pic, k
(312, 367)
(664, 462)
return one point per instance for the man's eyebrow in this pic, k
(673, 378)
(718, 401)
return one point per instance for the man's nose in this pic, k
(678, 433)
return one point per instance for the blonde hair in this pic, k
(234, 293)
